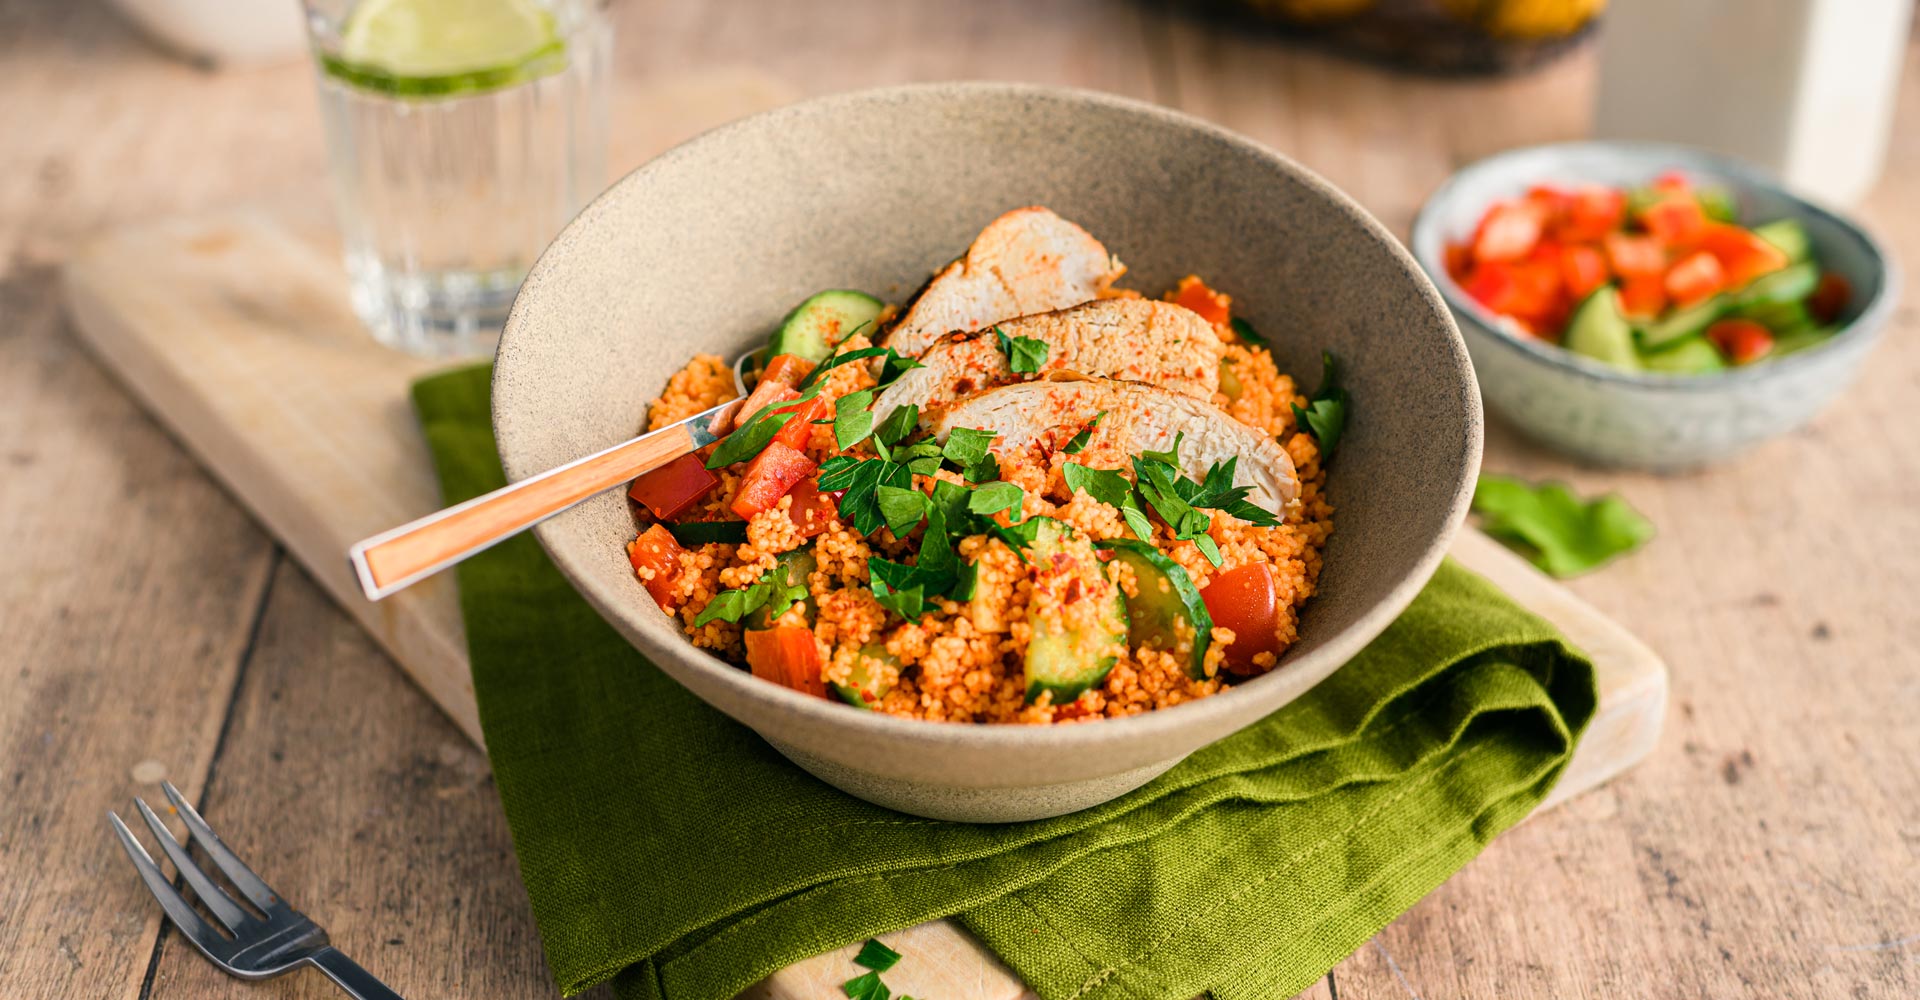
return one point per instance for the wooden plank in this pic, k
(373, 813)
(298, 412)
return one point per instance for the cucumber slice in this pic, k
(1168, 608)
(870, 680)
(1599, 331)
(1681, 324)
(813, 327)
(1800, 340)
(1789, 236)
(1068, 661)
(1718, 203)
(1780, 317)
(1695, 355)
(789, 568)
(1789, 284)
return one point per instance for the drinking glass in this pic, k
(449, 177)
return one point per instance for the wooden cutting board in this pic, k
(235, 331)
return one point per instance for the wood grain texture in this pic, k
(1767, 849)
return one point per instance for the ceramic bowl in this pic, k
(704, 248)
(1663, 422)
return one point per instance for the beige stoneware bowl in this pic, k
(704, 248)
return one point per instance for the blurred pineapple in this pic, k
(1444, 36)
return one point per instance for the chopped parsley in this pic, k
(1078, 443)
(992, 498)
(860, 478)
(1326, 412)
(1178, 500)
(1245, 331)
(1555, 529)
(902, 509)
(1025, 355)
(756, 432)
(866, 986)
(852, 418)
(898, 424)
(733, 605)
(876, 956)
(965, 446)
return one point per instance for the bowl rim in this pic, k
(1658, 155)
(1166, 723)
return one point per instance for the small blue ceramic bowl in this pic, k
(1643, 420)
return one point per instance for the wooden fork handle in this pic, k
(392, 560)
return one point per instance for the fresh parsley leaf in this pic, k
(966, 579)
(876, 956)
(733, 605)
(753, 434)
(1105, 485)
(996, 497)
(984, 471)
(1217, 492)
(898, 587)
(1326, 412)
(1555, 529)
(859, 478)
(852, 418)
(895, 366)
(1019, 536)
(866, 986)
(1170, 457)
(1025, 355)
(1245, 331)
(898, 424)
(936, 560)
(703, 532)
(1137, 520)
(950, 499)
(902, 509)
(842, 358)
(1078, 443)
(922, 457)
(966, 446)
(1204, 542)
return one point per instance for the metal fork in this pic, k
(252, 947)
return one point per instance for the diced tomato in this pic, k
(1673, 182)
(1243, 599)
(763, 395)
(672, 488)
(1508, 232)
(799, 430)
(813, 511)
(1643, 296)
(1582, 269)
(1742, 340)
(655, 556)
(1695, 278)
(1676, 221)
(768, 478)
(1526, 290)
(1634, 256)
(1194, 294)
(1829, 298)
(787, 369)
(787, 656)
(1743, 255)
(1458, 260)
(1593, 211)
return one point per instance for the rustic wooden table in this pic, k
(1771, 847)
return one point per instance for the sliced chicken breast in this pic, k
(1138, 340)
(1139, 418)
(1026, 261)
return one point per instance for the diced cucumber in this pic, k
(1800, 340)
(1599, 331)
(873, 676)
(1789, 236)
(1168, 609)
(789, 568)
(1695, 355)
(813, 327)
(1718, 203)
(1780, 317)
(1789, 284)
(1229, 381)
(1067, 661)
(1681, 324)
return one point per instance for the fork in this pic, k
(253, 946)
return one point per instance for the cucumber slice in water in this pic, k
(1168, 610)
(813, 328)
(1789, 236)
(1599, 331)
(1068, 661)
(1693, 356)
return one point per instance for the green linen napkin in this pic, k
(668, 849)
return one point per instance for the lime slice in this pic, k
(428, 47)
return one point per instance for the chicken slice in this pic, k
(1026, 261)
(1138, 340)
(1139, 418)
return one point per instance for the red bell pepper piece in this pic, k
(786, 369)
(1743, 341)
(1194, 294)
(1694, 278)
(787, 656)
(768, 478)
(799, 430)
(655, 556)
(1634, 256)
(1643, 296)
(813, 511)
(1243, 599)
(674, 487)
